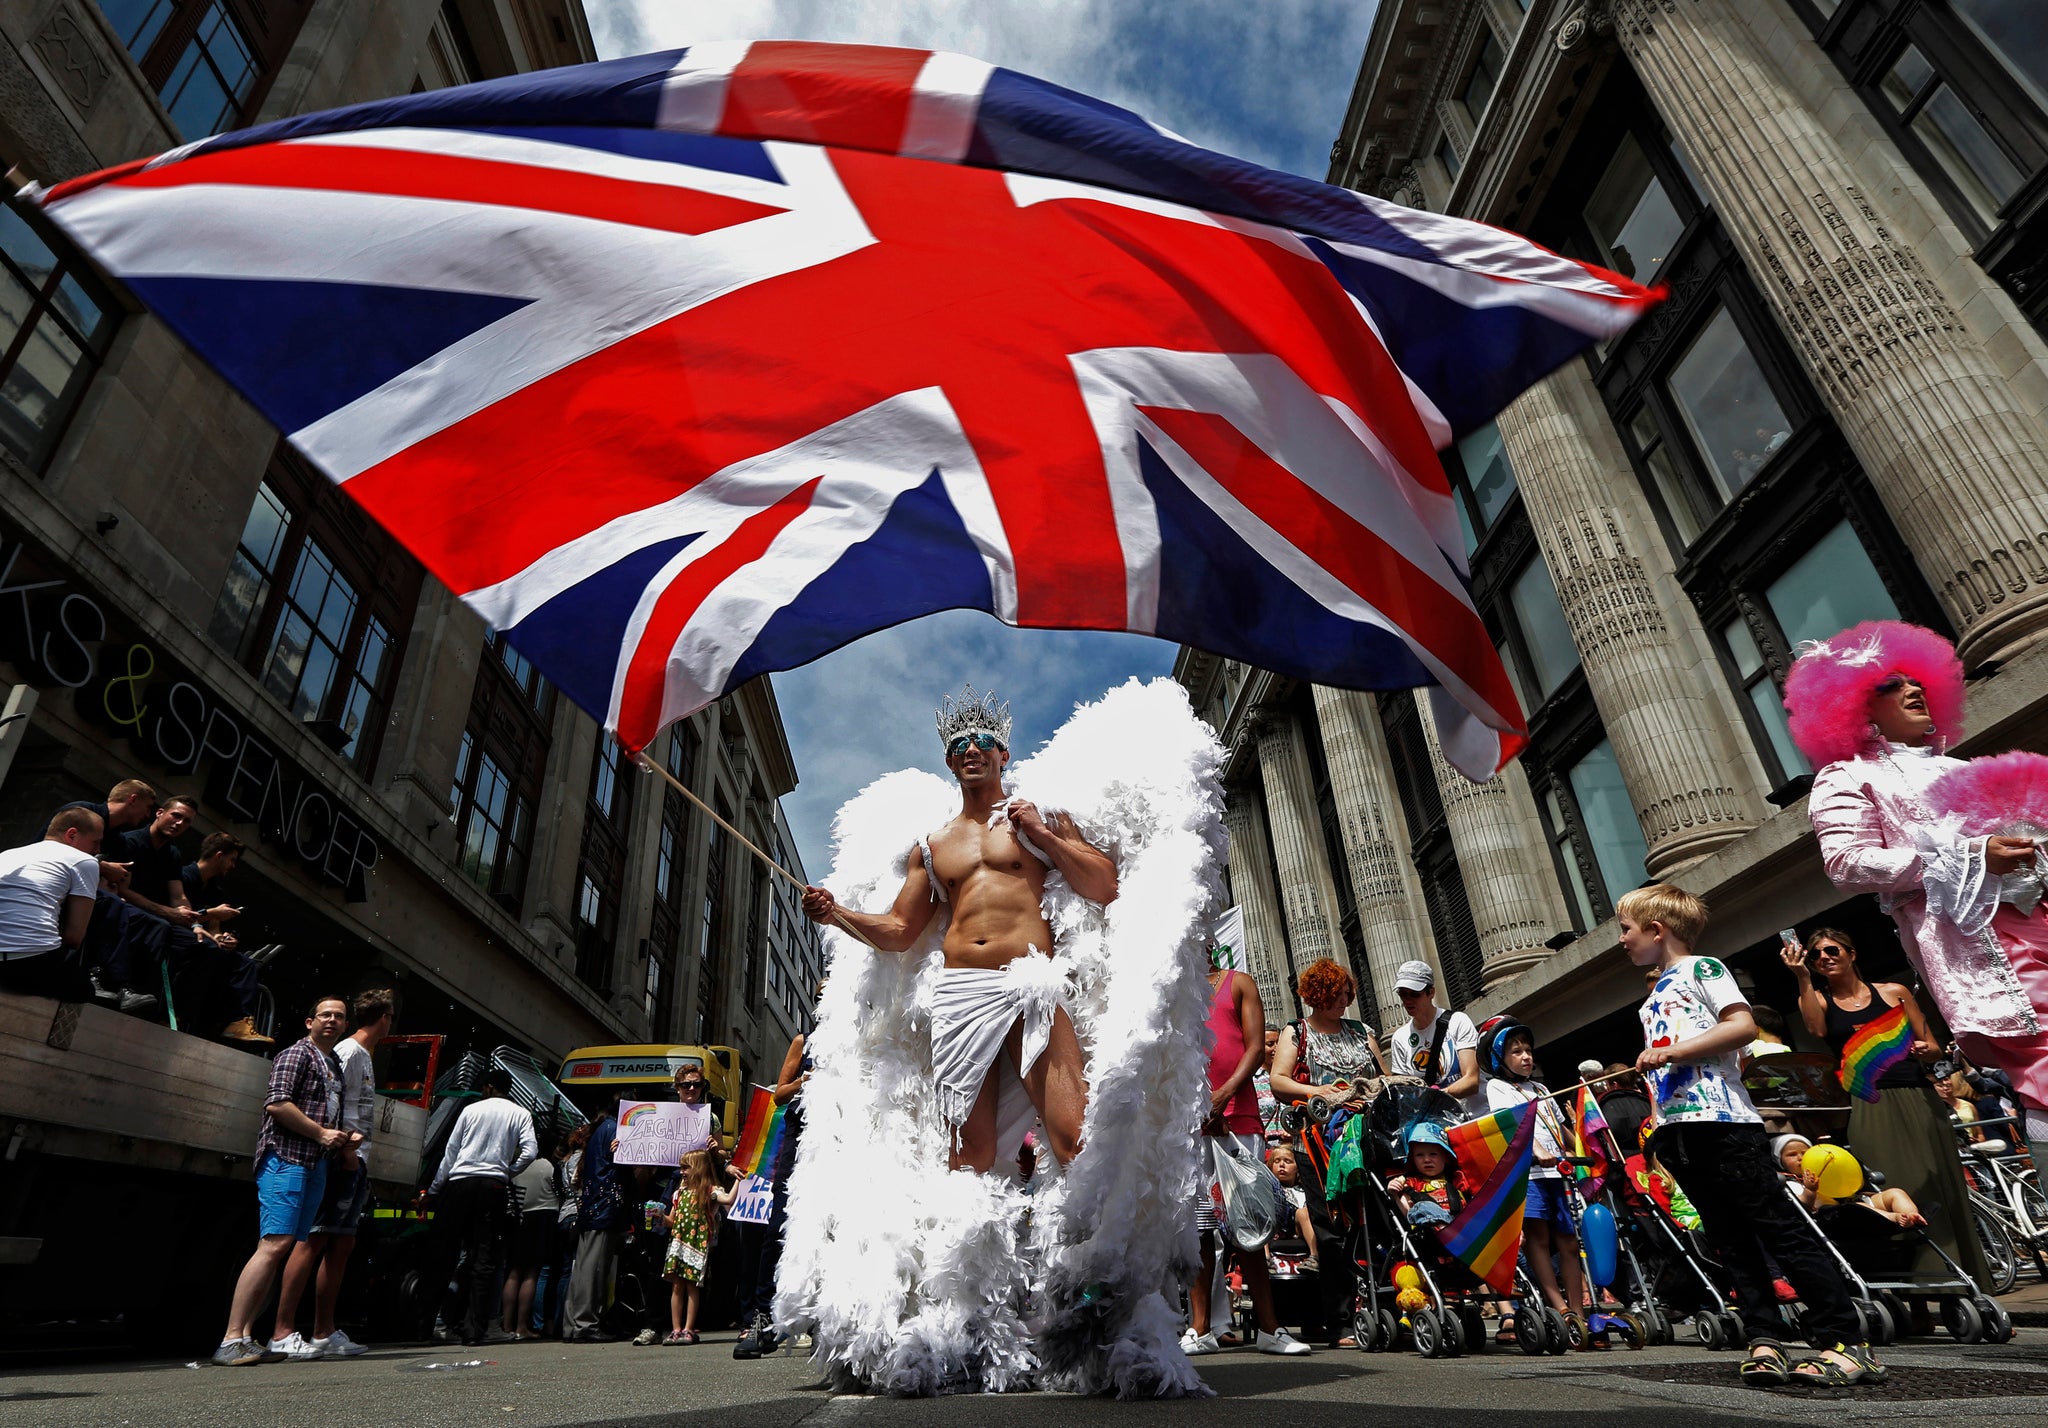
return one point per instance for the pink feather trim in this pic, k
(1994, 792)
(1829, 689)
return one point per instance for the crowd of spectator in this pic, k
(107, 907)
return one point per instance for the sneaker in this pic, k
(646, 1338)
(1280, 1342)
(237, 1353)
(1311, 1265)
(243, 1029)
(499, 1336)
(340, 1346)
(296, 1346)
(748, 1345)
(102, 992)
(1195, 1345)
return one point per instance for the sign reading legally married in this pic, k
(754, 1202)
(660, 1132)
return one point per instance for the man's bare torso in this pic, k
(994, 886)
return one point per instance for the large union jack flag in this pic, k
(688, 367)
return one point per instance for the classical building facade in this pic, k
(186, 601)
(1840, 413)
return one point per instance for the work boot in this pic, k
(245, 1030)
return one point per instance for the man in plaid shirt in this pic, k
(301, 1129)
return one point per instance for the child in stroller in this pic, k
(1436, 1299)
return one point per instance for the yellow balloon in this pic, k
(1409, 1300)
(1406, 1276)
(1838, 1174)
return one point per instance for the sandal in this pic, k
(675, 1337)
(1863, 1367)
(689, 1336)
(1505, 1334)
(1766, 1366)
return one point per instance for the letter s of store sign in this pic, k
(56, 635)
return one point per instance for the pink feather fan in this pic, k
(1995, 794)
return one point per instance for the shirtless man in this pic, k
(999, 999)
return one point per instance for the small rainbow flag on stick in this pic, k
(1587, 1123)
(761, 1136)
(1878, 1045)
(1487, 1234)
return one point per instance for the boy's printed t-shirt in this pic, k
(1549, 1144)
(1687, 1001)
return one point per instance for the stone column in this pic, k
(1308, 895)
(1375, 836)
(1509, 895)
(1669, 738)
(1251, 885)
(1944, 440)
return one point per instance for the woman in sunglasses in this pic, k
(1873, 709)
(1906, 1131)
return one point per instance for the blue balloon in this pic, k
(1602, 1248)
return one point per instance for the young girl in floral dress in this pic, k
(692, 1216)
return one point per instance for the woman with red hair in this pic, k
(1873, 709)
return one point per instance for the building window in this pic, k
(1565, 853)
(1632, 219)
(653, 993)
(315, 604)
(498, 776)
(56, 324)
(201, 57)
(1735, 422)
(1447, 155)
(1546, 653)
(1485, 75)
(1483, 481)
(607, 826)
(604, 789)
(1962, 86)
(1609, 818)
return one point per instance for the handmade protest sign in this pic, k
(660, 1132)
(754, 1201)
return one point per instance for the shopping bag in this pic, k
(1254, 1204)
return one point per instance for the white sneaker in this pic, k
(1280, 1342)
(1194, 1345)
(297, 1346)
(338, 1345)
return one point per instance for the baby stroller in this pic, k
(1673, 1274)
(1393, 1256)
(1876, 1255)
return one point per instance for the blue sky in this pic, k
(1267, 80)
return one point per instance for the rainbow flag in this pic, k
(1878, 1045)
(1587, 1124)
(1487, 1234)
(761, 1136)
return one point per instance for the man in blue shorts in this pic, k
(301, 1129)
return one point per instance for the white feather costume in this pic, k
(915, 1280)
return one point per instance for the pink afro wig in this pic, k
(1828, 691)
(1992, 794)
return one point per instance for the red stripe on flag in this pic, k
(456, 178)
(1352, 552)
(640, 702)
(851, 96)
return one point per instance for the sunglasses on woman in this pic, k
(984, 742)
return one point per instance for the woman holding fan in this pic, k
(1896, 1122)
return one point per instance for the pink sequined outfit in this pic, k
(1984, 962)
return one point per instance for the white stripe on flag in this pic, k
(693, 95)
(944, 104)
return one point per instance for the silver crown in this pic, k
(970, 713)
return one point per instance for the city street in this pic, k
(618, 1384)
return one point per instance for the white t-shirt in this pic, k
(1408, 1045)
(34, 881)
(1688, 1000)
(358, 1091)
(1505, 1095)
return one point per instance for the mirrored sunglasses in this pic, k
(984, 742)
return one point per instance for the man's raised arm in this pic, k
(891, 931)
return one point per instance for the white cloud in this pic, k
(1267, 81)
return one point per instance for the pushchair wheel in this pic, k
(1428, 1331)
(1575, 1332)
(1390, 1330)
(1529, 1332)
(1556, 1335)
(1709, 1329)
(1454, 1334)
(1365, 1329)
(1962, 1320)
(1877, 1322)
(1634, 1332)
(1997, 1323)
(1473, 1323)
(1734, 1333)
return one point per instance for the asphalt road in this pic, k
(703, 1387)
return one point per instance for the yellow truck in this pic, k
(647, 1073)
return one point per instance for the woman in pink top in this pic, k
(1237, 1023)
